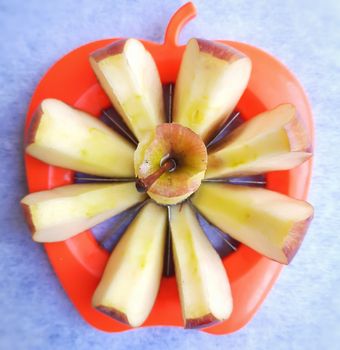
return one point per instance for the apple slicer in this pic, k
(79, 262)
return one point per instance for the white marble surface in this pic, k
(303, 309)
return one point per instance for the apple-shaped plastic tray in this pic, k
(79, 261)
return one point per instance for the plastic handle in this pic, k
(178, 20)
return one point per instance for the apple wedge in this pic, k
(273, 140)
(130, 283)
(188, 154)
(269, 222)
(63, 136)
(211, 80)
(63, 212)
(129, 76)
(201, 278)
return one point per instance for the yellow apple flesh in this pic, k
(129, 76)
(273, 140)
(63, 212)
(64, 136)
(130, 283)
(269, 222)
(211, 80)
(201, 278)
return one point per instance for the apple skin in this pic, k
(115, 48)
(297, 136)
(188, 151)
(113, 313)
(28, 217)
(211, 80)
(201, 322)
(294, 240)
(221, 51)
(36, 118)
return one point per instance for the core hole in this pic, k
(168, 159)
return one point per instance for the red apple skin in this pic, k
(114, 49)
(295, 239)
(28, 217)
(200, 322)
(113, 313)
(297, 136)
(218, 50)
(34, 125)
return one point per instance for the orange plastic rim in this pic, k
(79, 261)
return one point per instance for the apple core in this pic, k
(170, 163)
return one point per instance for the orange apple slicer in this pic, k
(79, 262)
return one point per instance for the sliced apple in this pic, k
(130, 283)
(188, 155)
(129, 76)
(201, 278)
(63, 136)
(63, 212)
(211, 80)
(269, 222)
(274, 140)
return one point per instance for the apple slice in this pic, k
(130, 283)
(211, 80)
(183, 155)
(201, 278)
(129, 76)
(269, 222)
(273, 140)
(63, 212)
(63, 136)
